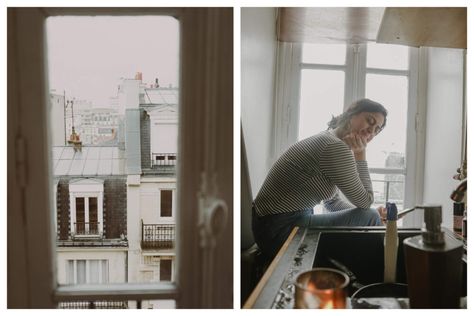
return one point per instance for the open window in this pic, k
(34, 271)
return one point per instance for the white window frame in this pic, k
(286, 119)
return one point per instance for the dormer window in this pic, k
(86, 207)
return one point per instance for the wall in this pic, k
(443, 127)
(258, 49)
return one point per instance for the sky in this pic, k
(87, 56)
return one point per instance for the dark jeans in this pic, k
(271, 231)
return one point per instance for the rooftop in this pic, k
(158, 96)
(91, 161)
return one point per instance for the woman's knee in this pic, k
(373, 217)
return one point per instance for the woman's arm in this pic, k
(352, 177)
(336, 203)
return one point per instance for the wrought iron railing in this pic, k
(390, 192)
(158, 236)
(163, 159)
(86, 228)
(94, 305)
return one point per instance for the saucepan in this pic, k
(395, 290)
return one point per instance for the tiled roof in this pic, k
(91, 161)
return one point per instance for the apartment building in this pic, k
(115, 205)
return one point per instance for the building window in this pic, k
(86, 202)
(166, 203)
(87, 220)
(87, 271)
(165, 269)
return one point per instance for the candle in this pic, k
(321, 288)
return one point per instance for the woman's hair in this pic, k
(362, 105)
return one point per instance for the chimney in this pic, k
(139, 76)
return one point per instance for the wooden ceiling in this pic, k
(433, 26)
(436, 27)
(329, 25)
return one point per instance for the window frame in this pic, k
(171, 260)
(86, 189)
(172, 216)
(286, 119)
(31, 268)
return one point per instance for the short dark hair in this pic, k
(362, 105)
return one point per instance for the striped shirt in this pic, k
(315, 170)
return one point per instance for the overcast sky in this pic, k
(88, 55)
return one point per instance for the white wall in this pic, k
(443, 127)
(258, 49)
(133, 226)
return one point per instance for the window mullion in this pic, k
(354, 89)
(415, 143)
(361, 71)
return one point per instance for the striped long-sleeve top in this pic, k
(313, 171)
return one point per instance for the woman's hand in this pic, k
(383, 213)
(357, 144)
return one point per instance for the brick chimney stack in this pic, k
(139, 76)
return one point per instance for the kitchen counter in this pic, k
(276, 291)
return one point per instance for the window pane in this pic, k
(94, 271)
(81, 271)
(70, 272)
(166, 203)
(105, 271)
(321, 96)
(387, 150)
(333, 54)
(93, 217)
(388, 187)
(80, 216)
(165, 270)
(387, 56)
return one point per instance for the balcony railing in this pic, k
(86, 229)
(393, 191)
(94, 305)
(158, 236)
(164, 162)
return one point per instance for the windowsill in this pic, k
(116, 291)
(95, 236)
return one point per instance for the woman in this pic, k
(316, 170)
